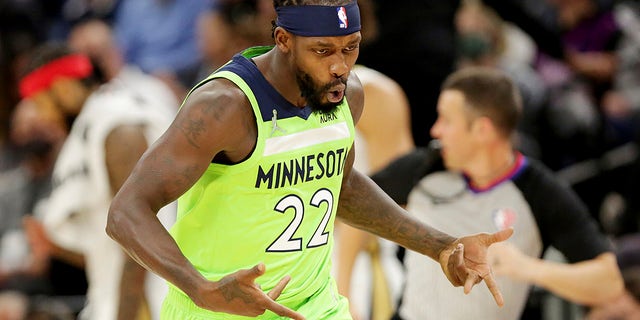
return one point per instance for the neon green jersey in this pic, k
(278, 206)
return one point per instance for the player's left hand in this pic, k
(465, 262)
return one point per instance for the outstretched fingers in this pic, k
(278, 308)
(253, 301)
(283, 311)
(493, 288)
(472, 279)
(253, 273)
(499, 236)
(277, 290)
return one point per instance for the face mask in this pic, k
(472, 46)
(37, 147)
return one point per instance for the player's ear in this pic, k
(283, 39)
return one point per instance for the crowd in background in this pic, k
(576, 63)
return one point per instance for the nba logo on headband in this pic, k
(343, 23)
(319, 20)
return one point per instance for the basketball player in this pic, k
(260, 156)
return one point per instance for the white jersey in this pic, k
(75, 215)
(150, 89)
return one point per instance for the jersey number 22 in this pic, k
(286, 241)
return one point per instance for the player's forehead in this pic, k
(335, 41)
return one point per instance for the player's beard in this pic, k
(314, 94)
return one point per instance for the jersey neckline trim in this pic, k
(518, 166)
(284, 108)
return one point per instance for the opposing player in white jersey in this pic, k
(110, 126)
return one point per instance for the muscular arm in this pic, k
(123, 147)
(164, 172)
(365, 206)
(216, 119)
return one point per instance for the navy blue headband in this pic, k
(319, 21)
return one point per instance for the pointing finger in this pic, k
(277, 290)
(495, 291)
(283, 311)
(471, 280)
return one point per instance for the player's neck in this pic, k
(274, 68)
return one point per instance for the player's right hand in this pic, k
(237, 293)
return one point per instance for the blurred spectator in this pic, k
(423, 34)
(19, 32)
(74, 11)
(621, 104)
(69, 12)
(94, 38)
(230, 26)
(109, 129)
(536, 18)
(593, 134)
(39, 132)
(484, 39)
(578, 82)
(159, 36)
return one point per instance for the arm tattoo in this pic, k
(184, 178)
(193, 129)
(230, 289)
(367, 207)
